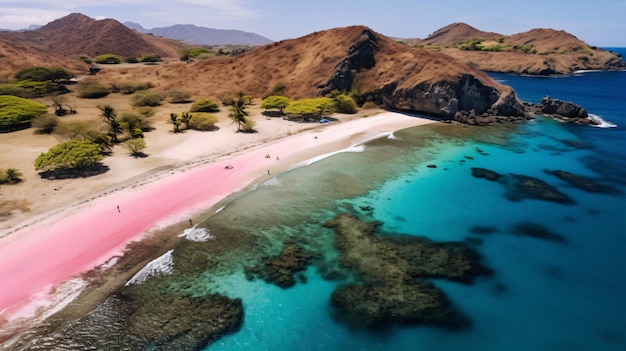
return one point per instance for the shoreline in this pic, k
(88, 234)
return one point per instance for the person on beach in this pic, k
(190, 222)
(118, 209)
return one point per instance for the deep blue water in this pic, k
(544, 295)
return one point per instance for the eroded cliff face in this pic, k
(398, 77)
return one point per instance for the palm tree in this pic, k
(110, 115)
(185, 118)
(13, 176)
(175, 122)
(238, 111)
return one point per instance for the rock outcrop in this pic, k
(565, 111)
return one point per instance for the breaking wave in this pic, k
(159, 266)
(600, 122)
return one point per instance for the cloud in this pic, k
(20, 18)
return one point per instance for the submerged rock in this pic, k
(485, 173)
(533, 188)
(584, 183)
(537, 231)
(280, 269)
(390, 270)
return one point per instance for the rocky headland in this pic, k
(539, 51)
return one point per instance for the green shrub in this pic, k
(91, 89)
(131, 121)
(108, 59)
(179, 95)
(344, 104)
(145, 111)
(150, 58)
(147, 98)
(278, 89)
(197, 52)
(205, 105)
(17, 113)
(203, 121)
(73, 154)
(129, 87)
(275, 102)
(45, 123)
(136, 146)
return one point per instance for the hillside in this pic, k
(60, 42)
(204, 36)
(393, 75)
(537, 52)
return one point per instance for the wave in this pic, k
(600, 123)
(275, 182)
(159, 266)
(357, 148)
(197, 234)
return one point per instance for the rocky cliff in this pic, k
(419, 81)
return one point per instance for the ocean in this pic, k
(542, 253)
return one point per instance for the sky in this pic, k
(602, 24)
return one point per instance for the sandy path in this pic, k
(39, 256)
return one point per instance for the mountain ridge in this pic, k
(199, 35)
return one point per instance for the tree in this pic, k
(73, 154)
(238, 111)
(17, 113)
(175, 122)
(275, 102)
(109, 114)
(136, 146)
(310, 108)
(13, 176)
(185, 118)
(43, 74)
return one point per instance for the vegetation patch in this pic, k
(17, 113)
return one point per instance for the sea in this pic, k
(555, 275)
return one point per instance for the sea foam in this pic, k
(159, 266)
(197, 234)
(600, 122)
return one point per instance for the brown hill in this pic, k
(60, 42)
(455, 33)
(538, 51)
(394, 75)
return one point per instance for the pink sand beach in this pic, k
(43, 254)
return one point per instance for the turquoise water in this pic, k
(544, 295)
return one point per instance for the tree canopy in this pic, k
(73, 154)
(310, 108)
(275, 102)
(43, 74)
(17, 113)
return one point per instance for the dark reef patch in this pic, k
(525, 187)
(482, 229)
(390, 272)
(485, 173)
(537, 231)
(282, 269)
(584, 183)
